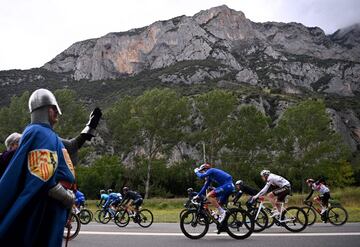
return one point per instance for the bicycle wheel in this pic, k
(104, 216)
(239, 223)
(85, 216)
(311, 215)
(96, 215)
(337, 215)
(261, 221)
(144, 218)
(194, 225)
(122, 218)
(182, 212)
(73, 225)
(293, 219)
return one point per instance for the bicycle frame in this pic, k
(311, 205)
(268, 210)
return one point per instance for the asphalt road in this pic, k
(170, 235)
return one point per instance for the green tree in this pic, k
(106, 172)
(74, 116)
(215, 109)
(154, 125)
(304, 139)
(248, 141)
(15, 117)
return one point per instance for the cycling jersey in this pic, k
(113, 199)
(320, 187)
(79, 198)
(223, 179)
(135, 196)
(245, 189)
(323, 190)
(274, 180)
(103, 198)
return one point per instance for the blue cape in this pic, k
(28, 216)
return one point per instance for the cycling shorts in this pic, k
(223, 192)
(137, 202)
(281, 193)
(325, 198)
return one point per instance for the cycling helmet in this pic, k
(265, 173)
(189, 190)
(310, 180)
(110, 191)
(204, 166)
(102, 192)
(239, 182)
(125, 189)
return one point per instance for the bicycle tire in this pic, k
(295, 219)
(311, 214)
(85, 216)
(336, 212)
(96, 215)
(190, 220)
(104, 216)
(122, 218)
(75, 226)
(239, 223)
(261, 222)
(182, 212)
(145, 218)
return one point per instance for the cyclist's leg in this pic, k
(279, 196)
(324, 199)
(272, 199)
(137, 203)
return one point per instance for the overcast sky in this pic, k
(34, 31)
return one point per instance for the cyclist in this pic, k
(222, 192)
(191, 195)
(282, 189)
(112, 201)
(136, 198)
(242, 188)
(79, 198)
(323, 198)
(103, 197)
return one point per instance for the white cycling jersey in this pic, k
(275, 180)
(321, 188)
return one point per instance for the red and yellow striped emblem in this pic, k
(68, 161)
(42, 163)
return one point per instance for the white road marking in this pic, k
(223, 234)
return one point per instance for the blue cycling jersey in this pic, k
(112, 199)
(104, 197)
(79, 197)
(214, 175)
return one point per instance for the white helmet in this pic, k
(264, 173)
(239, 182)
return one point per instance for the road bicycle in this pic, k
(104, 215)
(144, 217)
(85, 215)
(335, 214)
(261, 219)
(72, 226)
(293, 218)
(194, 223)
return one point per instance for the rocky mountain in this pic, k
(223, 46)
(290, 56)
